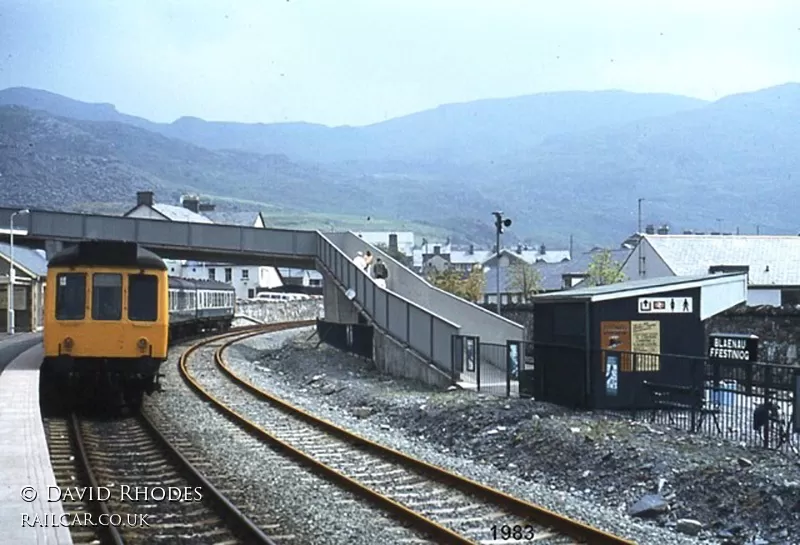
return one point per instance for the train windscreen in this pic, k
(70, 296)
(142, 297)
(107, 296)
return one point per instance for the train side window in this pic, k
(142, 297)
(107, 296)
(71, 296)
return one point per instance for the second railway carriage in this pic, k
(199, 305)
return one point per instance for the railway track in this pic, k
(445, 506)
(146, 491)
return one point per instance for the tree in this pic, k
(469, 287)
(524, 278)
(603, 270)
(397, 255)
(474, 284)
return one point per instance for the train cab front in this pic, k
(106, 328)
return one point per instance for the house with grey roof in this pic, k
(772, 263)
(30, 277)
(558, 276)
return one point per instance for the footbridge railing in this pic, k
(425, 332)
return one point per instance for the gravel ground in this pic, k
(306, 505)
(589, 467)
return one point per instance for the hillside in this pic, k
(558, 164)
(452, 133)
(734, 159)
(48, 161)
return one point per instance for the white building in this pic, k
(247, 280)
(772, 262)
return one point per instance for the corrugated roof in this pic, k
(668, 283)
(33, 260)
(773, 260)
(179, 213)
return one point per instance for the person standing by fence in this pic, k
(380, 272)
(368, 263)
(359, 261)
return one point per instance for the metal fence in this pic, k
(750, 403)
(485, 367)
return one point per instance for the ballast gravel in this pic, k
(308, 507)
(344, 389)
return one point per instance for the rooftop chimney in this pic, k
(472, 248)
(650, 229)
(393, 242)
(191, 202)
(437, 250)
(542, 249)
(144, 198)
(519, 248)
(663, 230)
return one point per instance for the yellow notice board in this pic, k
(646, 340)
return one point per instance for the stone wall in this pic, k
(778, 330)
(281, 311)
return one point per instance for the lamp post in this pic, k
(499, 224)
(12, 274)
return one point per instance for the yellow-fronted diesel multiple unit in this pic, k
(107, 316)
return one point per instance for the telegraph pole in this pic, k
(641, 259)
(499, 224)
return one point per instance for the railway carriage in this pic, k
(112, 313)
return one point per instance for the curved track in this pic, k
(441, 504)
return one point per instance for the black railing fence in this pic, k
(751, 403)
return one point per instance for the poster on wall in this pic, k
(612, 373)
(616, 336)
(646, 343)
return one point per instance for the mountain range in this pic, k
(559, 164)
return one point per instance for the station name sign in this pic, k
(733, 347)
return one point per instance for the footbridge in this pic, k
(418, 318)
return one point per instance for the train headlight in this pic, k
(142, 344)
(68, 344)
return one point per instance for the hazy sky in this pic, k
(362, 61)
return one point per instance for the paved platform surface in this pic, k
(12, 346)
(24, 457)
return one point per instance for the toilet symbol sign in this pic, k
(665, 305)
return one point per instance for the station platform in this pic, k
(24, 457)
(12, 346)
